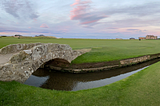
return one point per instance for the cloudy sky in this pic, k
(80, 18)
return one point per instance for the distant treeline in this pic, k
(38, 37)
(29, 37)
(3, 36)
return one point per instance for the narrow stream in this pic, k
(73, 82)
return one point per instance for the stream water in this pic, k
(72, 82)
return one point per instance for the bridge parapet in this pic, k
(14, 48)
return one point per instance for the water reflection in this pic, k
(73, 82)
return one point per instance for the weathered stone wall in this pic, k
(24, 63)
(124, 62)
(135, 60)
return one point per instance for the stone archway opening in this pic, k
(56, 64)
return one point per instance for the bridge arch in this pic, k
(56, 64)
(29, 58)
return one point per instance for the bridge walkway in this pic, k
(4, 58)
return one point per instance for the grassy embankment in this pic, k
(140, 89)
(102, 49)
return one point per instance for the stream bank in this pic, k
(57, 80)
(64, 66)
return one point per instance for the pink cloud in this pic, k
(3, 33)
(77, 2)
(44, 26)
(78, 12)
(88, 22)
(83, 12)
(80, 9)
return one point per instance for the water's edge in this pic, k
(72, 82)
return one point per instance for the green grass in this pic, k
(102, 49)
(140, 89)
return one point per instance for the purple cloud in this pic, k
(19, 8)
(136, 10)
(44, 26)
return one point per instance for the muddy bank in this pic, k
(64, 66)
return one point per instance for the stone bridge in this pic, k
(19, 61)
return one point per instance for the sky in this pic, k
(99, 19)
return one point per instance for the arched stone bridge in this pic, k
(19, 61)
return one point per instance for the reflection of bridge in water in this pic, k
(69, 81)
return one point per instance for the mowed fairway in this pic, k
(102, 49)
(140, 89)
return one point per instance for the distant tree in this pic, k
(41, 35)
(132, 38)
(3, 36)
(17, 35)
